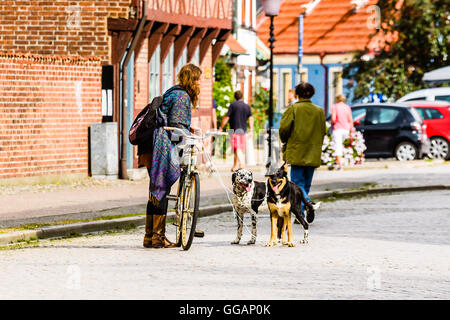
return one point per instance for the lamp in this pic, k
(271, 9)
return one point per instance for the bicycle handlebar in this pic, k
(183, 133)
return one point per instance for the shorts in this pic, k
(339, 135)
(238, 141)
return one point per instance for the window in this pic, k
(388, 115)
(303, 75)
(430, 113)
(154, 75)
(107, 93)
(381, 116)
(182, 61)
(196, 58)
(416, 99)
(287, 85)
(358, 115)
(167, 71)
(335, 83)
(442, 98)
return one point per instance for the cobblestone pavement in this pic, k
(383, 247)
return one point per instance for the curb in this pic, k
(132, 222)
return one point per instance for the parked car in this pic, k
(431, 94)
(391, 130)
(436, 116)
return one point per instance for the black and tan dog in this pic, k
(283, 198)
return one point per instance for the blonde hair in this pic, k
(187, 79)
(340, 98)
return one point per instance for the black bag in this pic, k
(145, 123)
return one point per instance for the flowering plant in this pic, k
(260, 104)
(353, 152)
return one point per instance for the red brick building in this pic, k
(62, 69)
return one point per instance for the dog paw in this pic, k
(291, 244)
(251, 242)
(304, 241)
(271, 244)
(235, 242)
(317, 205)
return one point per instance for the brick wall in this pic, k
(60, 27)
(46, 107)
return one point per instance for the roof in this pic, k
(438, 75)
(425, 104)
(424, 93)
(234, 45)
(382, 104)
(333, 26)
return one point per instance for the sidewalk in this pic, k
(89, 198)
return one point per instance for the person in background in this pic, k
(238, 114)
(302, 130)
(342, 122)
(291, 98)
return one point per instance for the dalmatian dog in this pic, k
(248, 196)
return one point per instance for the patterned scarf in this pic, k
(175, 111)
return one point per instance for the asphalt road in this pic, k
(383, 247)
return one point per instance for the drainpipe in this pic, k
(325, 67)
(124, 71)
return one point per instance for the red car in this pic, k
(436, 116)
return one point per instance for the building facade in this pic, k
(332, 31)
(65, 65)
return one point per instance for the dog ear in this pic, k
(233, 177)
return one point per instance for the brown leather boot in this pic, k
(159, 239)
(148, 231)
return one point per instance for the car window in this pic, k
(381, 115)
(442, 98)
(432, 113)
(416, 99)
(416, 115)
(422, 112)
(358, 114)
(429, 113)
(388, 115)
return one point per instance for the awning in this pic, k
(234, 46)
(440, 75)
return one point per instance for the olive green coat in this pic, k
(302, 129)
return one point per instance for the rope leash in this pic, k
(227, 190)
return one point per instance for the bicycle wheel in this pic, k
(190, 210)
(179, 210)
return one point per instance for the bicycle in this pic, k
(188, 193)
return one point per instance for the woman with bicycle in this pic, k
(159, 159)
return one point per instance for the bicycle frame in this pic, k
(189, 174)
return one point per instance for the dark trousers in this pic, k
(302, 176)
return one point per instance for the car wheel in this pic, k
(439, 148)
(406, 151)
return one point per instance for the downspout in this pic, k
(325, 67)
(124, 72)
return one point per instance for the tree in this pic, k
(420, 33)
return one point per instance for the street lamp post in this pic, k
(271, 9)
